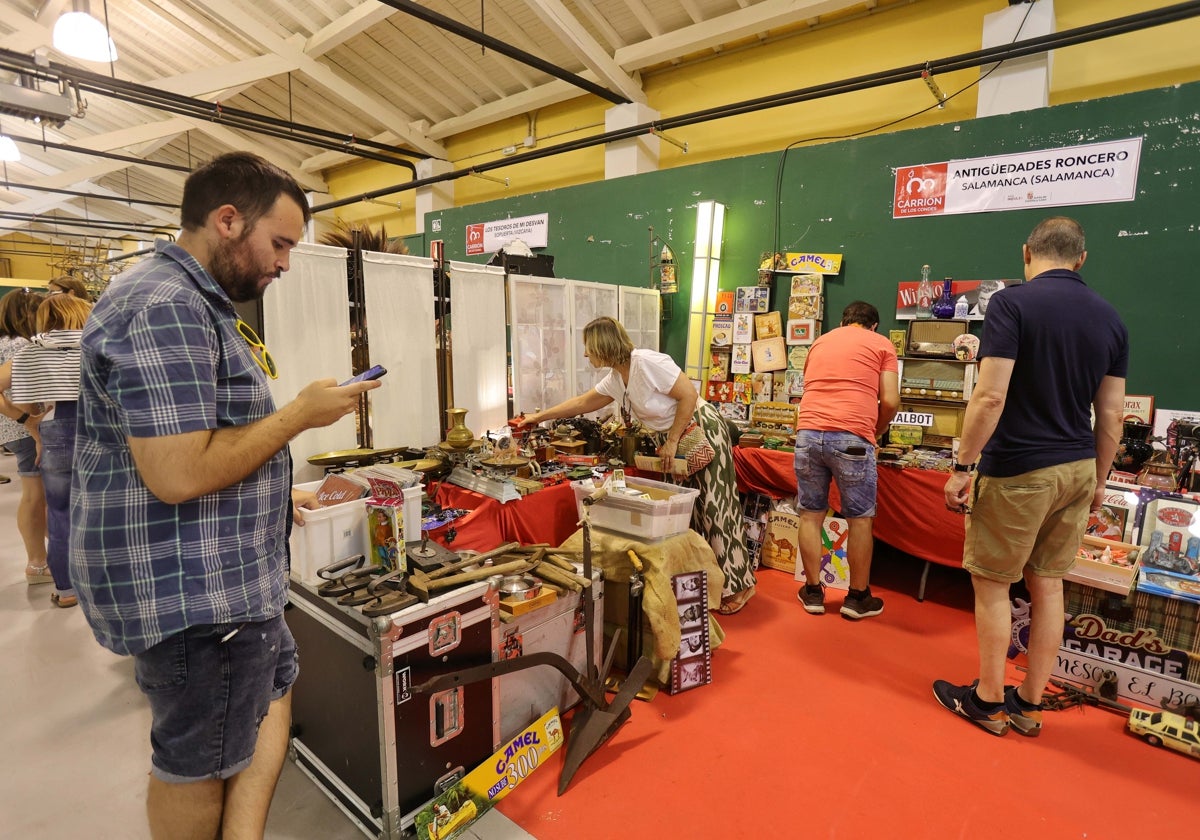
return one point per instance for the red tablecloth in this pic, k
(911, 510)
(547, 516)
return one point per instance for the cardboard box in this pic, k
(385, 533)
(835, 571)
(1113, 575)
(946, 419)
(1169, 544)
(781, 543)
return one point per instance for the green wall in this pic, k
(836, 198)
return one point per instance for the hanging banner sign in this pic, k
(487, 237)
(814, 263)
(1096, 173)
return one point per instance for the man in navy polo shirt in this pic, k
(1052, 350)
(180, 497)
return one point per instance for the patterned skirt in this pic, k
(717, 514)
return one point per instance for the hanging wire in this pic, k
(941, 103)
(112, 68)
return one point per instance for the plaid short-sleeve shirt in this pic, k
(162, 356)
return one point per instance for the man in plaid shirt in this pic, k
(179, 513)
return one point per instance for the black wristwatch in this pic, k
(21, 420)
(964, 468)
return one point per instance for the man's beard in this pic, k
(230, 267)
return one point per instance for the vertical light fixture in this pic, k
(9, 153)
(79, 35)
(706, 271)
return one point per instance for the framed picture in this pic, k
(737, 411)
(801, 331)
(806, 306)
(807, 284)
(740, 363)
(752, 299)
(743, 328)
(722, 330)
(769, 354)
(763, 386)
(1139, 408)
(793, 382)
(767, 325)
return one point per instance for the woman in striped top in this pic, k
(45, 376)
(18, 309)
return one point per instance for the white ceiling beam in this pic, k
(454, 51)
(221, 82)
(501, 109)
(601, 22)
(346, 26)
(644, 17)
(693, 11)
(568, 29)
(744, 23)
(344, 89)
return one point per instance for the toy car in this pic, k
(1166, 729)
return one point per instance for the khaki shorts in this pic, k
(1035, 519)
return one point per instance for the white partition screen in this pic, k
(640, 310)
(478, 344)
(588, 302)
(541, 350)
(306, 325)
(400, 333)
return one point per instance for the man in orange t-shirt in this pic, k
(851, 394)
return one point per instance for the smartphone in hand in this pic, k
(367, 375)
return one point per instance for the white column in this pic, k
(1018, 84)
(433, 197)
(637, 154)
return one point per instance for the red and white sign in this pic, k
(486, 237)
(1096, 173)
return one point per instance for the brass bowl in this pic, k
(345, 457)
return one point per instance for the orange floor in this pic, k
(816, 726)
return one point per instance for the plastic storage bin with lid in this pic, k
(667, 512)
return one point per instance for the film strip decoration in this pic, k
(692, 666)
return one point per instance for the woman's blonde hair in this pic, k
(606, 341)
(62, 312)
(69, 285)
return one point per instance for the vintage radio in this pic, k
(937, 379)
(933, 338)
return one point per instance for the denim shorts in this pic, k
(208, 693)
(26, 451)
(821, 456)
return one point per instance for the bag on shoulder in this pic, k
(695, 448)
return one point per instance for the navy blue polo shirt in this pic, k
(1063, 339)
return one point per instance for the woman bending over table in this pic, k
(649, 386)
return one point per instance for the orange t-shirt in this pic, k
(841, 381)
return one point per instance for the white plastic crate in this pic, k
(329, 534)
(667, 514)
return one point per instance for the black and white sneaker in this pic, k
(863, 606)
(813, 598)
